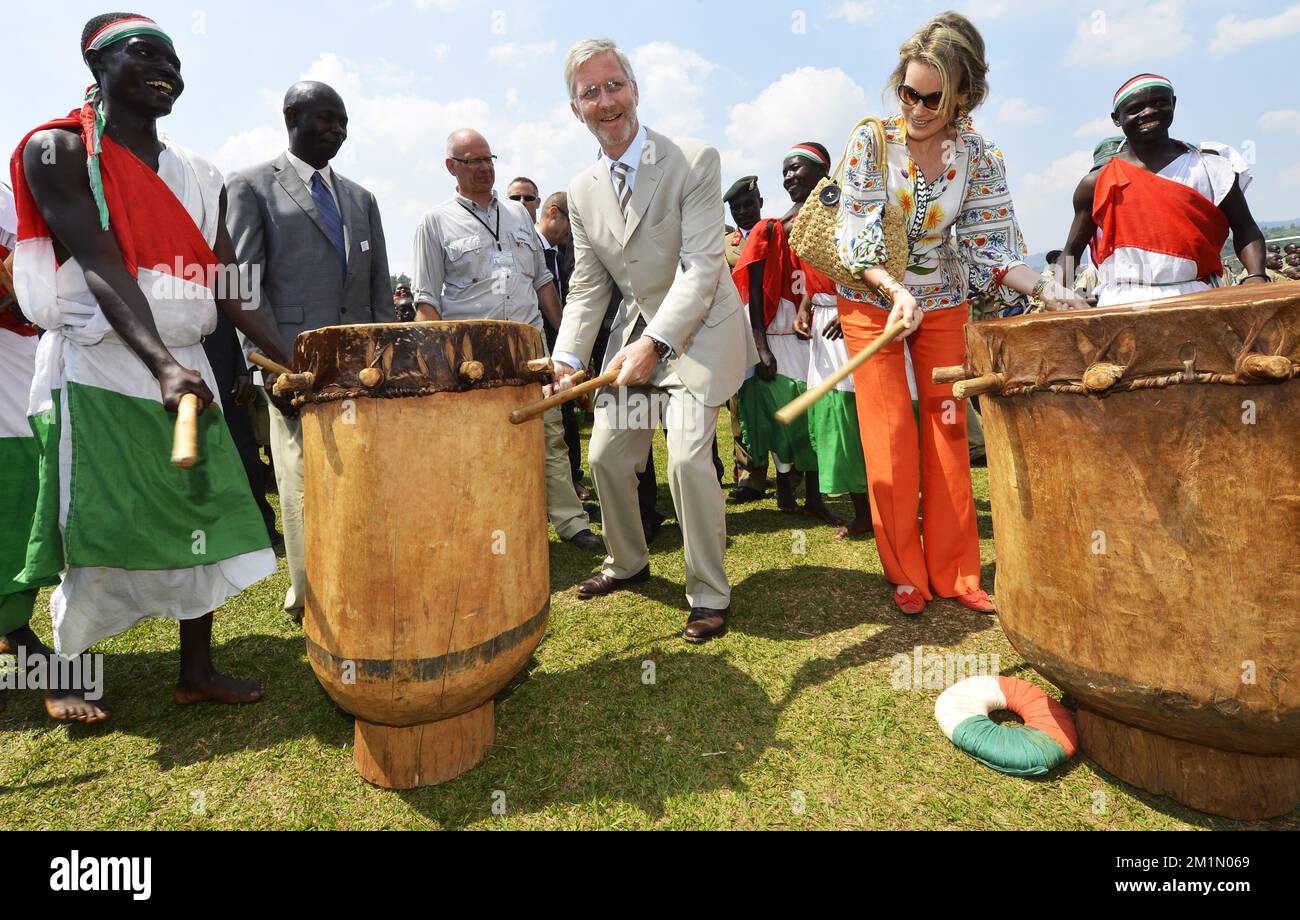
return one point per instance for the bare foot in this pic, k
(821, 513)
(72, 706)
(857, 528)
(217, 688)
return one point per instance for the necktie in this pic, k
(329, 213)
(621, 188)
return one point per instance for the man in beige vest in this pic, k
(647, 217)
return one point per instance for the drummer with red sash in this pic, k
(1159, 212)
(123, 258)
(771, 280)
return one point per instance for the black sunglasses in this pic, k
(528, 198)
(909, 96)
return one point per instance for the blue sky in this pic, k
(752, 79)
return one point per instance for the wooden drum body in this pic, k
(1144, 471)
(426, 543)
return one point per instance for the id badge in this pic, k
(503, 261)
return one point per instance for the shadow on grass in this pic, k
(138, 693)
(599, 735)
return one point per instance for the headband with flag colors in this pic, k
(120, 29)
(809, 153)
(1138, 84)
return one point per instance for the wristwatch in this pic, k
(662, 349)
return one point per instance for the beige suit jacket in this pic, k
(667, 260)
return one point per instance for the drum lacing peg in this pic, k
(964, 389)
(1101, 377)
(472, 371)
(1189, 370)
(1263, 367)
(540, 369)
(371, 377)
(943, 375)
(294, 384)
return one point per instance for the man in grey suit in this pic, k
(313, 245)
(647, 218)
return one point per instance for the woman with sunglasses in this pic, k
(944, 176)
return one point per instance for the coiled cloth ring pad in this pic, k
(1046, 740)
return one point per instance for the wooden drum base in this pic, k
(1246, 787)
(422, 755)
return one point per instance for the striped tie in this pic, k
(621, 188)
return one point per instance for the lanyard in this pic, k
(496, 234)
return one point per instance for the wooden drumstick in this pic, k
(267, 364)
(805, 402)
(290, 383)
(185, 439)
(528, 413)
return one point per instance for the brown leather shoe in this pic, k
(705, 624)
(603, 584)
(586, 540)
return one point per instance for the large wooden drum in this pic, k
(1144, 471)
(426, 544)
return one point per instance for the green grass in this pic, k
(790, 721)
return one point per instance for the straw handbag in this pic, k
(813, 235)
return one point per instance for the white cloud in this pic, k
(672, 81)
(1130, 33)
(1021, 112)
(1044, 200)
(525, 54)
(1233, 34)
(1098, 128)
(1291, 176)
(984, 10)
(808, 104)
(249, 147)
(854, 11)
(439, 51)
(1280, 121)
(396, 140)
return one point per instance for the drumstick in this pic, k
(289, 382)
(528, 413)
(185, 440)
(267, 364)
(805, 402)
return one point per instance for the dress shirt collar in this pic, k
(305, 170)
(631, 156)
(546, 244)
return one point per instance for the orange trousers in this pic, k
(902, 461)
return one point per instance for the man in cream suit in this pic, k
(647, 218)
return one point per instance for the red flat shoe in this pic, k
(910, 603)
(979, 601)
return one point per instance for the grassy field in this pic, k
(789, 721)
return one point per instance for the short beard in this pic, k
(633, 126)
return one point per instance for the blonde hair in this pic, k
(584, 51)
(952, 45)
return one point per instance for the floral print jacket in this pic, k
(970, 198)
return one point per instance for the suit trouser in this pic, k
(901, 460)
(572, 439)
(562, 504)
(286, 450)
(620, 445)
